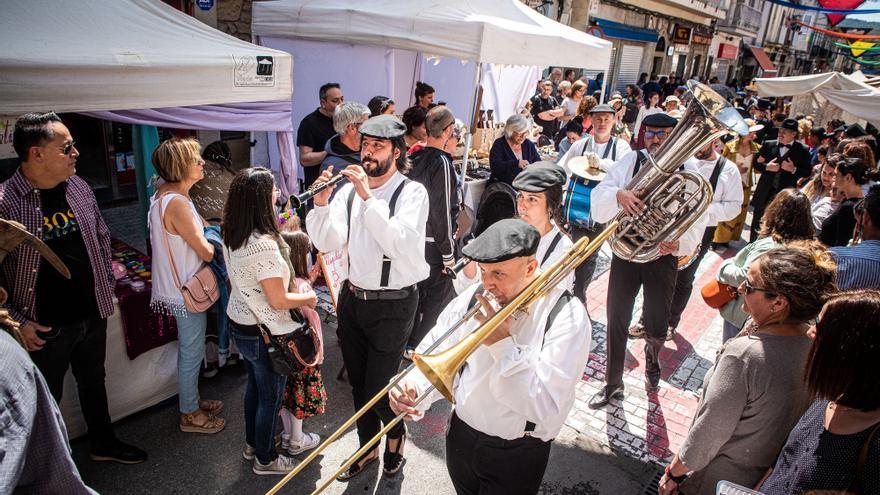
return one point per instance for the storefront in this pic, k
(724, 53)
(631, 45)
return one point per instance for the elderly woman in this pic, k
(512, 152)
(755, 392)
(789, 221)
(823, 451)
(741, 151)
(179, 250)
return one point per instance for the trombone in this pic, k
(441, 368)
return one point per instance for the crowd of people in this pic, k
(791, 404)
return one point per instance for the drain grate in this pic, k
(650, 487)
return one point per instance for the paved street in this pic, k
(613, 451)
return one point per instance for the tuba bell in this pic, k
(675, 199)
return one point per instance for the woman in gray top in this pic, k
(755, 393)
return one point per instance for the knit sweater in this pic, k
(259, 259)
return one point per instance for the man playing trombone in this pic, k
(516, 389)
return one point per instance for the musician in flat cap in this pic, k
(379, 216)
(515, 391)
(627, 277)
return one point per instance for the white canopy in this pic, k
(127, 54)
(491, 31)
(815, 93)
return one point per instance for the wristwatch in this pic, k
(677, 479)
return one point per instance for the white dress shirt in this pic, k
(728, 196)
(373, 234)
(589, 144)
(528, 376)
(604, 206)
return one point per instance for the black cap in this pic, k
(538, 177)
(503, 240)
(764, 104)
(855, 130)
(790, 124)
(603, 108)
(383, 127)
(659, 120)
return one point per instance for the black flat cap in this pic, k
(855, 130)
(539, 176)
(659, 120)
(603, 108)
(790, 124)
(503, 240)
(383, 127)
(840, 129)
(764, 104)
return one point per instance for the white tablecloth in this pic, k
(473, 191)
(132, 385)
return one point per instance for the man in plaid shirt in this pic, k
(63, 321)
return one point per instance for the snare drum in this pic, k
(585, 175)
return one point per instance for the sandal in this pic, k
(212, 407)
(201, 422)
(359, 466)
(393, 461)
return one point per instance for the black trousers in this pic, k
(583, 274)
(684, 282)
(373, 334)
(435, 293)
(626, 277)
(481, 464)
(82, 347)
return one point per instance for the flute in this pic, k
(297, 201)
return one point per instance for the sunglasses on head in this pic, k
(67, 148)
(751, 288)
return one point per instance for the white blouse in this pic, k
(259, 259)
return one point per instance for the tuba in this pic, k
(675, 199)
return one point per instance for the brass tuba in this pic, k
(675, 199)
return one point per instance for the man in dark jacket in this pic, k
(781, 163)
(432, 167)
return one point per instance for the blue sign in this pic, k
(205, 4)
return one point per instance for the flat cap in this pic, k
(790, 124)
(503, 240)
(659, 120)
(603, 108)
(539, 176)
(438, 118)
(855, 130)
(383, 127)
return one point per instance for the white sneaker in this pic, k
(309, 441)
(281, 465)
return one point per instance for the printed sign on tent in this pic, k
(254, 71)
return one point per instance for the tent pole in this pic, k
(475, 109)
(604, 82)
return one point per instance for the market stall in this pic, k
(827, 96)
(145, 63)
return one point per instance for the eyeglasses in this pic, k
(67, 148)
(653, 134)
(751, 288)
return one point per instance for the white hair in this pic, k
(350, 112)
(515, 124)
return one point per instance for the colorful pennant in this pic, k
(835, 18)
(849, 36)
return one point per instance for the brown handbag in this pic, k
(201, 291)
(717, 294)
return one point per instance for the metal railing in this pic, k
(741, 16)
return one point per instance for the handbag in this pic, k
(199, 292)
(716, 294)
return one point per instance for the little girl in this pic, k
(304, 393)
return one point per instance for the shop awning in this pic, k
(762, 58)
(617, 30)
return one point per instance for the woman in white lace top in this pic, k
(260, 295)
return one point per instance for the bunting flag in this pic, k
(864, 62)
(859, 47)
(835, 18)
(849, 36)
(828, 10)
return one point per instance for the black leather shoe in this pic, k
(120, 452)
(652, 378)
(604, 396)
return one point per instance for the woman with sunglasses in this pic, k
(755, 392)
(787, 219)
(850, 175)
(824, 451)
(513, 151)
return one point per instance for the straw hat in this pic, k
(586, 167)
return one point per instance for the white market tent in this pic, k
(125, 54)
(829, 95)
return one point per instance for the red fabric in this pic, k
(833, 19)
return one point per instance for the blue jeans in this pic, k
(265, 388)
(191, 339)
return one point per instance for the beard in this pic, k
(377, 169)
(652, 148)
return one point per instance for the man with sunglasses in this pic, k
(63, 321)
(626, 277)
(858, 266)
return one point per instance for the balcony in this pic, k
(742, 20)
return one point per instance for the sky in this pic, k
(875, 4)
